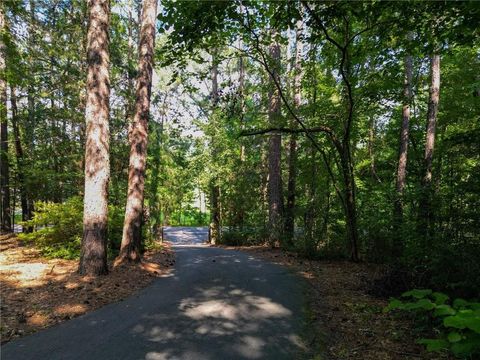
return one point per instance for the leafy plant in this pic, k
(57, 228)
(458, 322)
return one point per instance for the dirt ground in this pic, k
(37, 293)
(348, 323)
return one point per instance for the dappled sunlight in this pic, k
(38, 292)
(70, 309)
(250, 347)
(246, 319)
(244, 306)
(186, 235)
(38, 319)
(28, 274)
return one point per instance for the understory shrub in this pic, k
(57, 228)
(456, 323)
(243, 237)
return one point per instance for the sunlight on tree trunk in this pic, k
(138, 136)
(93, 258)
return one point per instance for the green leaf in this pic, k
(417, 293)
(434, 344)
(460, 303)
(454, 337)
(464, 319)
(468, 346)
(424, 304)
(443, 310)
(439, 298)
(393, 304)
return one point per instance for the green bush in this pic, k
(245, 237)
(116, 216)
(457, 322)
(57, 228)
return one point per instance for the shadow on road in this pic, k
(217, 304)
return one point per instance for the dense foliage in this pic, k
(340, 76)
(457, 322)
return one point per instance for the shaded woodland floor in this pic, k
(37, 293)
(346, 321)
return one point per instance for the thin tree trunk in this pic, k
(275, 193)
(241, 88)
(239, 206)
(371, 149)
(214, 230)
(138, 136)
(130, 77)
(30, 127)
(346, 156)
(402, 158)
(6, 224)
(292, 160)
(93, 257)
(26, 215)
(426, 211)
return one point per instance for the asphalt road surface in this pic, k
(216, 304)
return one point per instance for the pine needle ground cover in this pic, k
(37, 292)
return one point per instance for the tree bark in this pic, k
(26, 213)
(292, 159)
(138, 136)
(214, 229)
(6, 221)
(93, 257)
(402, 158)
(239, 204)
(426, 211)
(275, 194)
(30, 127)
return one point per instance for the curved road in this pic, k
(216, 304)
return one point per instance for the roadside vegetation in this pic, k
(334, 131)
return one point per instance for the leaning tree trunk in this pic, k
(402, 159)
(138, 136)
(93, 257)
(275, 195)
(426, 211)
(292, 159)
(6, 221)
(26, 214)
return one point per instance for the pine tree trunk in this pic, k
(93, 257)
(6, 221)
(275, 194)
(138, 136)
(26, 214)
(426, 211)
(402, 159)
(292, 159)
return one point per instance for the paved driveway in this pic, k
(217, 304)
